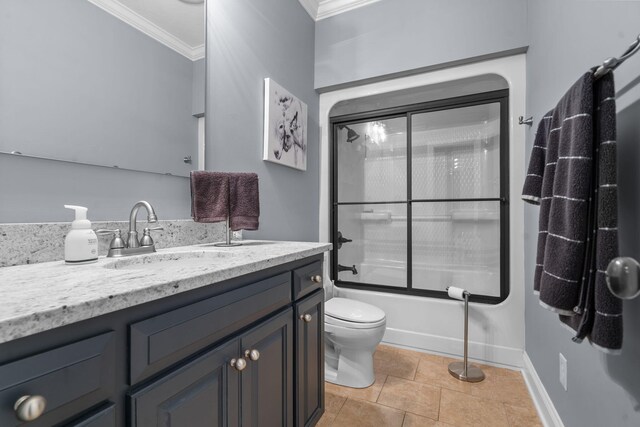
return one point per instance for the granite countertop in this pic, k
(44, 296)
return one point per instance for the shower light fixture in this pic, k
(377, 132)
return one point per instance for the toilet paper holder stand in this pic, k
(463, 370)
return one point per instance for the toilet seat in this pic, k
(353, 314)
(328, 320)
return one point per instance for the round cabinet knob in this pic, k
(252, 354)
(316, 278)
(29, 408)
(306, 317)
(239, 364)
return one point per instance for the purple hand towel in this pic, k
(209, 196)
(244, 201)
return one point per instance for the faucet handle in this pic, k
(146, 236)
(104, 231)
(116, 242)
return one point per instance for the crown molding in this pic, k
(321, 9)
(198, 52)
(311, 6)
(147, 27)
(327, 8)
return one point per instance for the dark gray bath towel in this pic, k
(600, 312)
(209, 196)
(563, 193)
(578, 211)
(532, 191)
(245, 201)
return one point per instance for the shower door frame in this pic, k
(407, 111)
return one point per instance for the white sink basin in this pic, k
(170, 260)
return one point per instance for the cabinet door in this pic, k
(309, 351)
(267, 383)
(103, 417)
(202, 393)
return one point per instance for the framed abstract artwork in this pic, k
(285, 127)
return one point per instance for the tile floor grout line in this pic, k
(439, 403)
(340, 409)
(382, 388)
(402, 410)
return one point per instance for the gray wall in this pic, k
(247, 41)
(567, 38)
(395, 36)
(80, 84)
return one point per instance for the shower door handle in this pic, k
(342, 239)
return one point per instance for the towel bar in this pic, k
(528, 122)
(611, 64)
(228, 243)
(623, 277)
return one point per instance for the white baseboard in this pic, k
(494, 354)
(546, 410)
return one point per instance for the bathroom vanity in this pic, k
(192, 336)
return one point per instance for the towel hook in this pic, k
(623, 277)
(528, 122)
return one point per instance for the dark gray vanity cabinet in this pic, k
(244, 352)
(267, 383)
(309, 315)
(102, 417)
(209, 391)
(203, 392)
(70, 379)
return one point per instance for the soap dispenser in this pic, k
(81, 243)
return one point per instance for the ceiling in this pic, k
(179, 25)
(321, 9)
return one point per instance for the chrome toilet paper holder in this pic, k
(463, 370)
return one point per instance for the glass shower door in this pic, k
(456, 199)
(370, 169)
(420, 198)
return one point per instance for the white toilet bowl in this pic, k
(353, 330)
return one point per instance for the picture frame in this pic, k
(285, 127)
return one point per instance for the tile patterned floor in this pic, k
(415, 389)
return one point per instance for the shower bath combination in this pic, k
(422, 193)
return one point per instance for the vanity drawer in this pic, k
(161, 341)
(72, 379)
(307, 279)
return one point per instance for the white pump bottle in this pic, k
(81, 243)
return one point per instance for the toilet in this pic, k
(353, 329)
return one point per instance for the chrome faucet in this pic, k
(133, 246)
(132, 239)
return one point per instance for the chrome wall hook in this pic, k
(528, 122)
